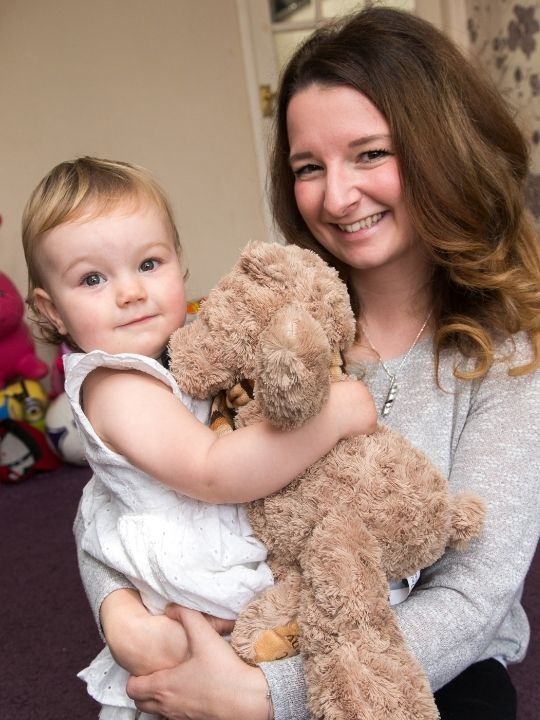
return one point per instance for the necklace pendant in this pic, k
(392, 392)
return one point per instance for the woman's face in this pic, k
(348, 187)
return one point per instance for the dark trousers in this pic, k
(482, 692)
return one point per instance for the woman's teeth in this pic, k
(362, 224)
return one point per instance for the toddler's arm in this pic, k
(140, 642)
(139, 417)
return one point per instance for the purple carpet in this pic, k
(47, 633)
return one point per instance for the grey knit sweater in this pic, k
(484, 435)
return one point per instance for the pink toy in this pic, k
(57, 372)
(17, 355)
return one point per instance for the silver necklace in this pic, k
(393, 389)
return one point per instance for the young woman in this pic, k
(399, 164)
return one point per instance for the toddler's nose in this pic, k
(130, 290)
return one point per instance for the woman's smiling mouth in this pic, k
(361, 224)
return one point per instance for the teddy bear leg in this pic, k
(356, 661)
(267, 630)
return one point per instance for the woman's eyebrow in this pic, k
(369, 139)
(300, 156)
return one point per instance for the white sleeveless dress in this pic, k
(171, 547)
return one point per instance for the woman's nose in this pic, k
(341, 192)
(130, 289)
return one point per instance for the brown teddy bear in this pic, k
(372, 510)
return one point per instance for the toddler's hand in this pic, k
(354, 408)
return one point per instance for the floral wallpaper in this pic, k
(505, 37)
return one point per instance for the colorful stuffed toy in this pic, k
(17, 355)
(373, 510)
(24, 451)
(62, 432)
(24, 400)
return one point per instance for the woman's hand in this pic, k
(212, 683)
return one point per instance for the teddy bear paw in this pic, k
(277, 643)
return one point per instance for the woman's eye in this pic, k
(306, 170)
(371, 156)
(148, 265)
(91, 279)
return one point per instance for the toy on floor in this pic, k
(62, 432)
(23, 446)
(57, 376)
(373, 510)
(17, 355)
(24, 451)
(24, 400)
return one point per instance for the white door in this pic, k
(270, 31)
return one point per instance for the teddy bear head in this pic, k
(278, 317)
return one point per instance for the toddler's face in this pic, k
(113, 282)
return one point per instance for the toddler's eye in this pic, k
(91, 279)
(148, 265)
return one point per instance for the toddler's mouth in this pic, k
(137, 321)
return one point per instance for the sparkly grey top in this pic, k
(483, 435)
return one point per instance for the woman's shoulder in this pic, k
(511, 376)
(515, 349)
(510, 352)
(513, 362)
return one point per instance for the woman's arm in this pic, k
(466, 606)
(139, 642)
(98, 580)
(168, 443)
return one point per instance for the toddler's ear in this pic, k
(45, 306)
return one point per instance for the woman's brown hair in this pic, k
(463, 164)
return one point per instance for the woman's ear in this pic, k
(45, 306)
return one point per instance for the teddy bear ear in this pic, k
(197, 362)
(263, 262)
